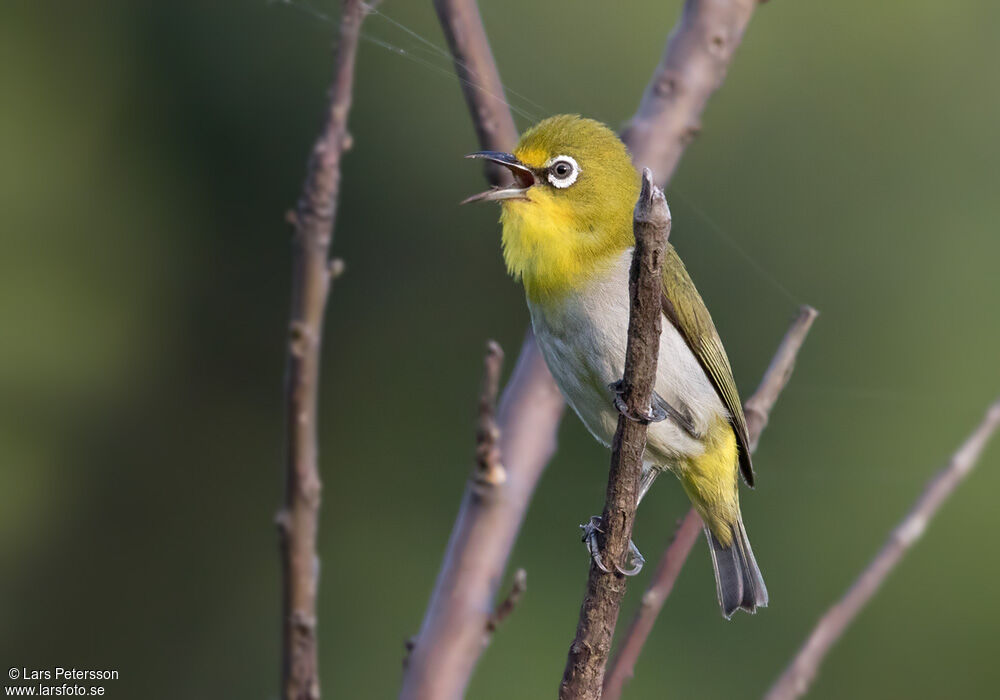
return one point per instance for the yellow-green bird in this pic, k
(567, 236)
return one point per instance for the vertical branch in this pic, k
(758, 408)
(693, 67)
(605, 588)
(489, 468)
(622, 667)
(312, 273)
(795, 681)
(450, 641)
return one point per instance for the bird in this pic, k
(566, 220)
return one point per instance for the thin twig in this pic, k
(588, 654)
(796, 679)
(489, 471)
(531, 407)
(312, 273)
(758, 408)
(693, 66)
(510, 601)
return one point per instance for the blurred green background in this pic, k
(149, 151)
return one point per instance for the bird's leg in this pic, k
(635, 558)
(681, 416)
(649, 474)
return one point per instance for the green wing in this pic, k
(695, 324)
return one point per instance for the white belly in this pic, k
(583, 338)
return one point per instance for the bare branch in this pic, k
(312, 273)
(531, 405)
(693, 67)
(490, 470)
(796, 679)
(510, 601)
(622, 667)
(758, 408)
(452, 637)
(588, 654)
(455, 629)
(480, 79)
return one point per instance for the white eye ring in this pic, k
(567, 180)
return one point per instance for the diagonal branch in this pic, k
(477, 72)
(450, 639)
(588, 654)
(795, 681)
(452, 635)
(312, 274)
(455, 629)
(693, 67)
(758, 408)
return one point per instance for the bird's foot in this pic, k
(590, 531)
(635, 558)
(655, 414)
(660, 410)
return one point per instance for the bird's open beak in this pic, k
(523, 178)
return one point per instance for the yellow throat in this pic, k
(557, 236)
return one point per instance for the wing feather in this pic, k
(695, 325)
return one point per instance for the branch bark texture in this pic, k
(757, 408)
(588, 654)
(312, 274)
(799, 675)
(450, 640)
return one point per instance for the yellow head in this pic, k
(568, 214)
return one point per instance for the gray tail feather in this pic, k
(738, 582)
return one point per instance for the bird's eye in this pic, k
(562, 171)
